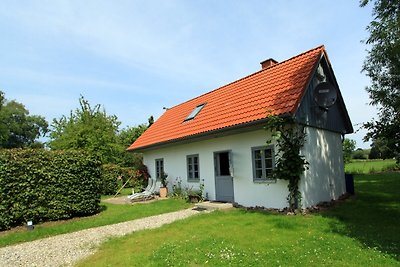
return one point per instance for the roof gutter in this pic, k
(235, 129)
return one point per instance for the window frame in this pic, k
(159, 168)
(195, 112)
(193, 179)
(264, 176)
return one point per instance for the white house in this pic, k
(218, 138)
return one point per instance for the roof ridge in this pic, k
(250, 75)
(296, 56)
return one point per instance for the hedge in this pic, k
(110, 178)
(39, 185)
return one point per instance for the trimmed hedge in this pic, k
(111, 174)
(41, 185)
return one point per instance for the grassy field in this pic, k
(369, 166)
(362, 231)
(111, 214)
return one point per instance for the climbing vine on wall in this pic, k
(290, 165)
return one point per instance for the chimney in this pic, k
(268, 63)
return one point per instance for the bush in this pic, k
(114, 176)
(110, 177)
(138, 177)
(186, 193)
(361, 154)
(40, 185)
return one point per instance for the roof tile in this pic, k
(277, 89)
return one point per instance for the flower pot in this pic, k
(163, 192)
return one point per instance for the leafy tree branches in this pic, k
(88, 128)
(17, 127)
(382, 65)
(92, 129)
(349, 146)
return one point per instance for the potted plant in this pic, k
(163, 187)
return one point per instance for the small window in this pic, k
(193, 169)
(195, 112)
(159, 168)
(263, 163)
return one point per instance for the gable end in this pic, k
(333, 118)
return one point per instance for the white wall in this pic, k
(324, 180)
(246, 192)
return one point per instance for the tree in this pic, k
(126, 137)
(151, 121)
(1, 99)
(129, 135)
(87, 128)
(348, 148)
(382, 65)
(380, 150)
(3, 128)
(92, 129)
(17, 127)
(360, 153)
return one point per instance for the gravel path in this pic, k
(66, 249)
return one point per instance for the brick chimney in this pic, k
(268, 63)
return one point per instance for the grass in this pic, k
(369, 166)
(362, 231)
(111, 214)
(124, 192)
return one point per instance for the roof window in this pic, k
(195, 112)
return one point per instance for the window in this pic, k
(263, 163)
(195, 112)
(159, 168)
(193, 170)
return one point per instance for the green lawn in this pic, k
(362, 231)
(369, 166)
(123, 192)
(111, 214)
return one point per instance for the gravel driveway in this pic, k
(67, 249)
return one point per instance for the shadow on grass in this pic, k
(103, 208)
(372, 216)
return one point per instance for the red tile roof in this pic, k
(277, 89)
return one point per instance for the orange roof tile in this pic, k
(277, 89)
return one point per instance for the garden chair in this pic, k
(146, 194)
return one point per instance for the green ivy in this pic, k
(39, 185)
(290, 165)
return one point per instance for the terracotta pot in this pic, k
(163, 192)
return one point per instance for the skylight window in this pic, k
(195, 112)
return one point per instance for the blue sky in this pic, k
(136, 57)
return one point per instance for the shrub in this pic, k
(114, 176)
(40, 185)
(138, 177)
(360, 154)
(110, 177)
(186, 193)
